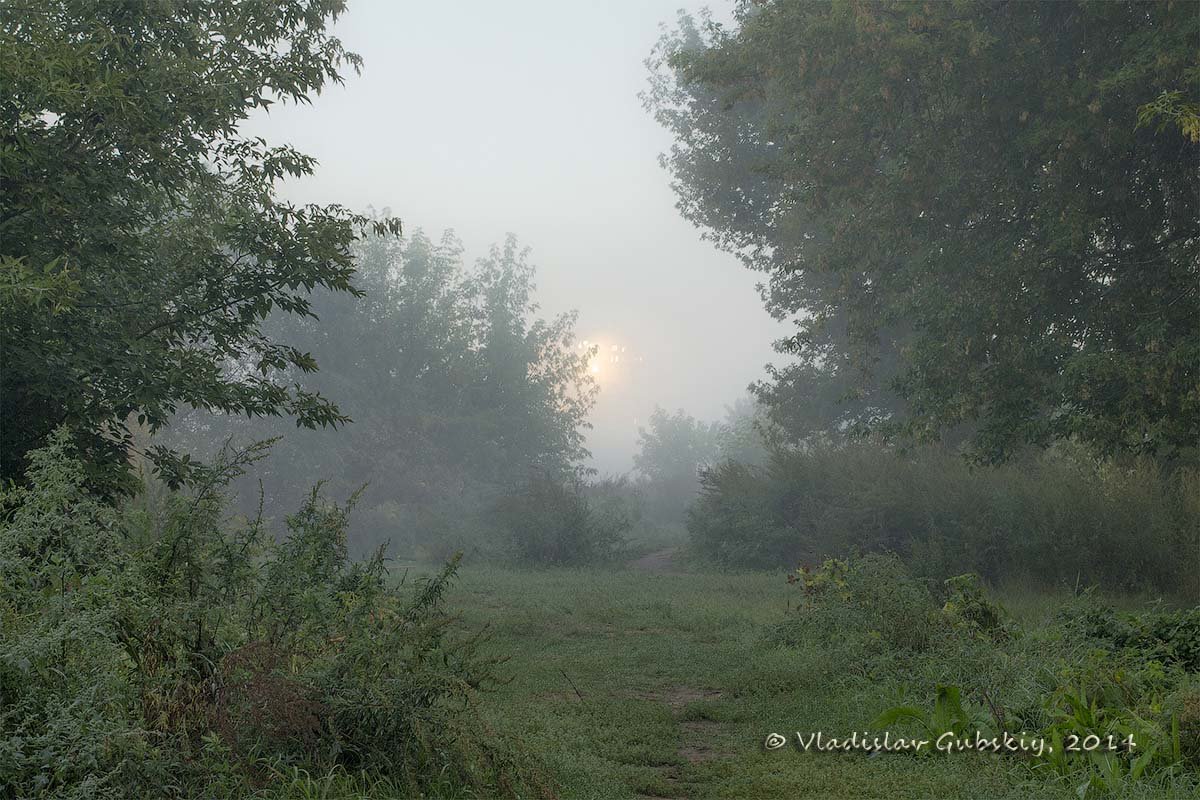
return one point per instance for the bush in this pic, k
(958, 662)
(1057, 518)
(552, 521)
(166, 653)
(1169, 636)
(737, 520)
(869, 607)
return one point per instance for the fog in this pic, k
(524, 117)
(564, 550)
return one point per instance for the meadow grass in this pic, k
(632, 684)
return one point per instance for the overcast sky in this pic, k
(523, 117)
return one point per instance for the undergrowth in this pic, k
(170, 652)
(1116, 697)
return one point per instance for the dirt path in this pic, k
(658, 561)
(697, 738)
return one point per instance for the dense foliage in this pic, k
(457, 390)
(981, 215)
(161, 651)
(984, 218)
(142, 242)
(961, 664)
(675, 448)
(554, 522)
(1059, 518)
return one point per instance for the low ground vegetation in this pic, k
(163, 650)
(959, 663)
(636, 684)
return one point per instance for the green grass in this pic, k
(630, 684)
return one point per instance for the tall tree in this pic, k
(672, 452)
(141, 239)
(457, 389)
(745, 434)
(982, 207)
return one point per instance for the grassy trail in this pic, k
(653, 682)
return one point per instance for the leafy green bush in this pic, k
(737, 520)
(68, 715)
(1183, 704)
(948, 714)
(864, 608)
(1057, 518)
(552, 521)
(165, 652)
(1170, 636)
(1117, 699)
(968, 606)
(959, 663)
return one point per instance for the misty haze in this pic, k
(771, 399)
(460, 122)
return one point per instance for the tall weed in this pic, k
(170, 652)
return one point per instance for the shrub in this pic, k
(552, 521)
(1183, 704)
(862, 612)
(737, 519)
(169, 653)
(967, 605)
(965, 665)
(1170, 636)
(68, 716)
(1120, 696)
(1056, 518)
